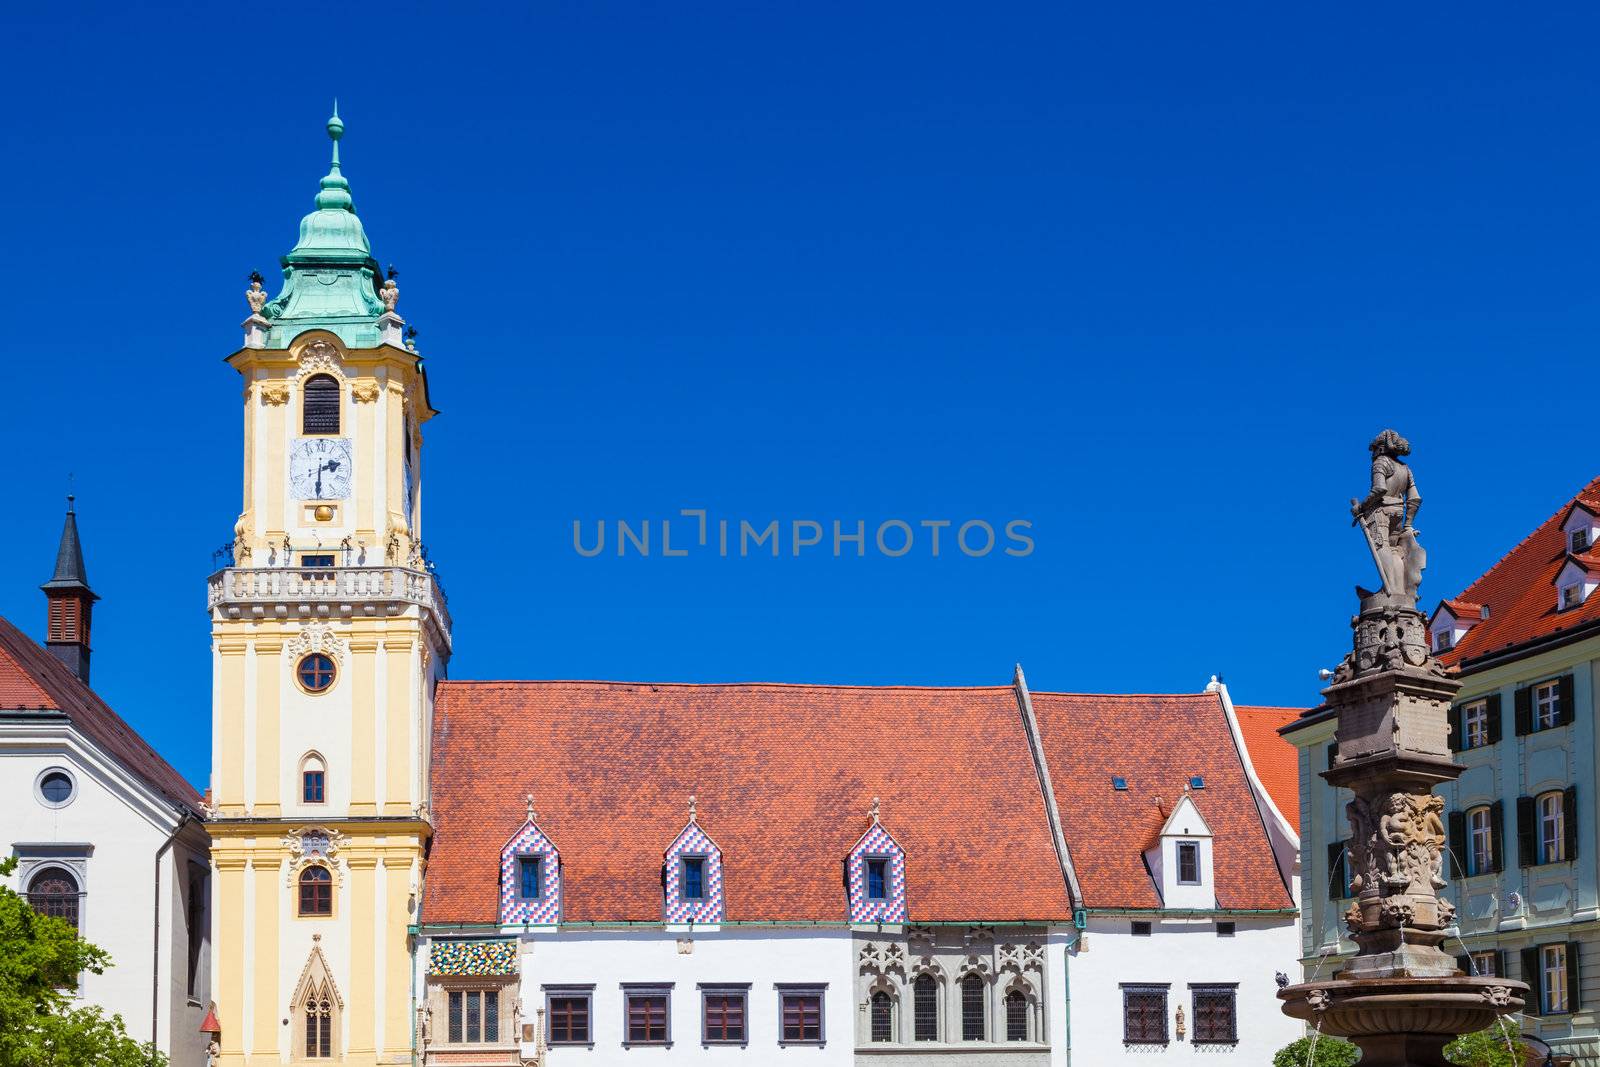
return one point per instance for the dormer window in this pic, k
(529, 878)
(1580, 539)
(877, 878)
(1571, 595)
(1444, 640)
(694, 877)
(1188, 863)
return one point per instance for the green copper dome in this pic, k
(330, 278)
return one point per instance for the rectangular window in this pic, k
(802, 1018)
(1571, 595)
(647, 1017)
(1225, 929)
(693, 884)
(1443, 639)
(529, 883)
(195, 912)
(1475, 724)
(1547, 705)
(568, 1013)
(317, 560)
(474, 1016)
(1486, 964)
(1188, 863)
(877, 878)
(1480, 841)
(1215, 1018)
(1141, 929)
(1580, 540)
(1553, 980)
(312, 787)
(1144, 1015)
(723, 1013)
(1552, 829)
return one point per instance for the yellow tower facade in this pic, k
(329, 631)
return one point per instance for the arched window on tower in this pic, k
(313, 780)
(319, 412)
(316, 891)
(54, 892)
(318, 1008)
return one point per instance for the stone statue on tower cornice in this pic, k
(1386, 515)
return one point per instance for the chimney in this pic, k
(70, 602)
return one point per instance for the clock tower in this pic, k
(329, 631)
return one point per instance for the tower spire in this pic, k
(335, 192)
(69, 600)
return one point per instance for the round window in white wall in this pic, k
(55, 788)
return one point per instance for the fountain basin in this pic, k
(1405, 1021)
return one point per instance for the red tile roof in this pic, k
(1520, 593)
(1276, 761)
(31, 679)
(1157, 743)
(1463, 610)
(784, 776)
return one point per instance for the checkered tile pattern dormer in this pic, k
(530, 841)
(892, 909)
(693, 841)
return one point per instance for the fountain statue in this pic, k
(1401, 998)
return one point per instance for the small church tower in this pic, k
(71, 602)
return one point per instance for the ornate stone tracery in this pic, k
(320, 356)
(314, 846)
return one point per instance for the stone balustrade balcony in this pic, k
(302, 591)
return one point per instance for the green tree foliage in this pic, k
(1330, 1052)
(41, 959)
(1487, 1048)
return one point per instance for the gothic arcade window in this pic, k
(972, 1008)
(318, 1012)
(882, 1012)
(1016, 1016)
(54, 892)
(320, 406)
(316, 891)
(474, 1015)
(925, 1008)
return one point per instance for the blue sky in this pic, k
(1148, 277)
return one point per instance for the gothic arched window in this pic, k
(319, 409)
(925, 1008)
(882, 1017)
(54, 892)
(316, 891)
(972, 1008)
(313, 780)
(1016, 1016)
(318, 1011)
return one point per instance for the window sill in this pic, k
(801, 1044)
(647, 1044)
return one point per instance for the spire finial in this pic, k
(335, 189)
(691, 807)
(875, 809)
(531, 816)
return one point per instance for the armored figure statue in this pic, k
(1385, 516)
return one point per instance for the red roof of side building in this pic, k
(783, 775)
(32, 680)
(1520, 592)
(1157, 743)
(1276, 761)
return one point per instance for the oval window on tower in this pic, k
(315, 672)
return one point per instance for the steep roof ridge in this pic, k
(1047, 789)
(1466, 594)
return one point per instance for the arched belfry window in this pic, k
(316, 891)
(53, 891)
(320, 405)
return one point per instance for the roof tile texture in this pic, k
(784, 776)
(1276, 761)
(1520, 592)
(1157, 743)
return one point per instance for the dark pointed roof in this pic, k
(70, 573)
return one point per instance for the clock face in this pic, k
(319, 468)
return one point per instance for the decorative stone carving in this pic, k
(321, 355)
(364, 391)
(255, 296)
(1498, 995)
(273, 393)
(314, 845)
(883, 959)
(1319, 999)
(315, 636)
(390, 293)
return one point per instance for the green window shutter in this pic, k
(1457, 868)
(1574, 990)
(1501, 964)
(1457, 741)
(1497, 837)
(1530, 974)
(1523, 701)
(1464, 964)
(1569, 821)
(1335, 870)
(1568, 704)
(1493, 709)
(1526, 836)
